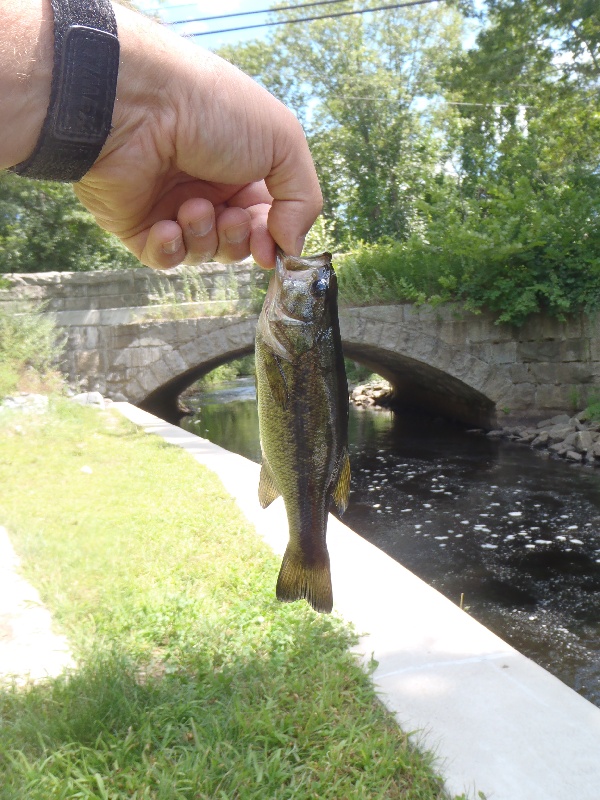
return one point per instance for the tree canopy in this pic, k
(461, 137)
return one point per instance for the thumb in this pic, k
(294, 187)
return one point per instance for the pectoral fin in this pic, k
(276, 380)
(267, 490)
(341, 491)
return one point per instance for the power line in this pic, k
(311, 19)
(261, 11)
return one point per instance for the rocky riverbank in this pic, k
(575, 438)
(375, 395)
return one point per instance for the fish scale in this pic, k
(302, 397)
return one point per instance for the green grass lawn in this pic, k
(193, 681)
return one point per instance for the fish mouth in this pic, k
(285, 263)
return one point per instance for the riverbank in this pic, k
(191, 678)
(495, 719)
(574, 438)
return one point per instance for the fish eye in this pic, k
(319, 287)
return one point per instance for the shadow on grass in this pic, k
(296, 718)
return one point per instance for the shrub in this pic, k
(30, 349)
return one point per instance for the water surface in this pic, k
(507, 531)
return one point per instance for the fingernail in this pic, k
(237, 233)
(300, 245)
(200, 227)
(170, 248)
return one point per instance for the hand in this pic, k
(202, 162)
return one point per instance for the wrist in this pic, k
(25, 78)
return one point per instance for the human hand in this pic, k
(202, 162)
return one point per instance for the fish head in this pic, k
(299, 303)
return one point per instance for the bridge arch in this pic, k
(130, 341)
(426, 372)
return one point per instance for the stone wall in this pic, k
(117, 289)
(447, 358)
(127, 338)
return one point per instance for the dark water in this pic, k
(515, 534)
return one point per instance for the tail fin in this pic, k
(299, 580)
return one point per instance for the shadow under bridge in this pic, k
(427, 374)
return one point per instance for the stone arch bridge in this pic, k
(145, 337)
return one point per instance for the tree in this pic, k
(358, 83)
(43, 227)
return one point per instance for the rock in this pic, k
(559, 419)
(541, 440)
(583, 441)
(559, 433)
(89, 399)
(528, 436)
(372, 395)
(28, 403)
(118, 397)
(560, 448)
(496, 434)
(573, 456)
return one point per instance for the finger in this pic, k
(163, 247)
(262, 245)
(233, 230)
(252, 194)
(293, 184)
(196, 218)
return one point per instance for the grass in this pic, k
(192, 681)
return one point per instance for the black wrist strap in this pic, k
(82, 95)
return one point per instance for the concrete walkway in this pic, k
(29, 648)
(499, 723)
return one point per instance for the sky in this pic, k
(172, 10)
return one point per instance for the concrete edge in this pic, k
(498, 723)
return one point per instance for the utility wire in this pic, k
(311, 19)
(261, 11)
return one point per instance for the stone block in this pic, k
(496, 352)
(161, 372)
(87, 362)
(519, 373)
(515, 398)
(174, 362)
(575, 350)
(138, 357)
(90, 338)
(577, 373)
(552, 397)
(134, 392)
(147, 380)
(544, 351)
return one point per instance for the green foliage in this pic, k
(238, 367)
(452, 173)
(356, 83)
(515, 252)
(29, 350)
(43, 227)
(357, 373)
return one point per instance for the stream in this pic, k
(504, 530)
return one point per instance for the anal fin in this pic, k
(341, 492)
(299, 580)
(267, 488)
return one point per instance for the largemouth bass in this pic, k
(303, 416)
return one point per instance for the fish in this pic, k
(303, 406)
